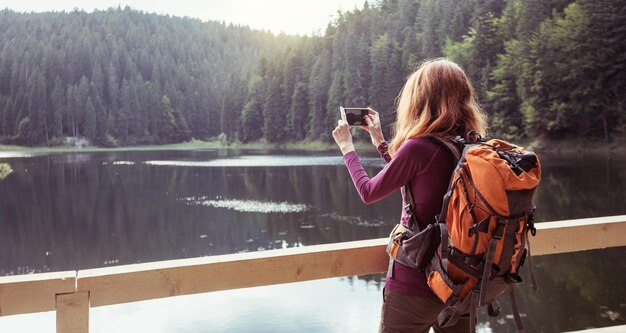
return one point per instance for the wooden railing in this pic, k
(72, 293)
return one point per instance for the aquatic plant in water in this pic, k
(5, 170)
(249, 206)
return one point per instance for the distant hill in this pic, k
(122, 76)
(552, 69)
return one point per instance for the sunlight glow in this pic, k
(292, 17)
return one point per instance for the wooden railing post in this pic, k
(72, 312)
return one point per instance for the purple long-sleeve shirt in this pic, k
(427, 167)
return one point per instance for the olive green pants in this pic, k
(408, 314)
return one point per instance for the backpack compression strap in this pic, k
(408, 208)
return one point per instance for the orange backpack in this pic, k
(474, 251)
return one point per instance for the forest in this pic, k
(542, 69)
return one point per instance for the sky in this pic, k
(289, 16)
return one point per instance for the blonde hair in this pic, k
(437, 99)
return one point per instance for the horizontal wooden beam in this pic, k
(579, 235)
(121, 284)
(189, 276)
(31, 293)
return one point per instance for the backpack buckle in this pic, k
(472, 230)
(473, 136)
(493, 309)
(531, 223)
(498, 231)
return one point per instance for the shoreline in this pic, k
(565, 147)
(575, 147)
(189, 145)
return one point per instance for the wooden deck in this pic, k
(72, 293)
(612, 329)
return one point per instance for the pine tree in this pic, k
(133, 111)
(380, 54)
(274, 119)
(319, 81)
(252, 114)
(122, 119)
(37, 130)
(335, 100)
(101, 124)
(502, 99)
(90, 120)
(606, 69)
(166, 124)
(231, 107)
(58, 106)
(5, 122)
(299, 114)
(182, 132)
(559, 94)
(6, 64)
(81, 93)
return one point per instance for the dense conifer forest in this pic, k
(553, 69)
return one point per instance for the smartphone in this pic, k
(356, 116)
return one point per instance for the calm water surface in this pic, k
(70, 211)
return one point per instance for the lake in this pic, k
(66, 211)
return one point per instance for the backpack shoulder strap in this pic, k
(458, 149)
(454, 146)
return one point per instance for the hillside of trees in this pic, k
(121, 77)
(543, 69)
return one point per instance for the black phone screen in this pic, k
(356, 116)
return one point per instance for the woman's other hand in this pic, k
(342, 136)
(374, 128)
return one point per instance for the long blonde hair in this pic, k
(437, 99)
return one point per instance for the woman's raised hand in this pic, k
(342, 136)
(374, 128)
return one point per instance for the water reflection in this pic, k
(576, 291)
(581, 187)
(69, 211)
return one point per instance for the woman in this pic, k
(437, 99)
